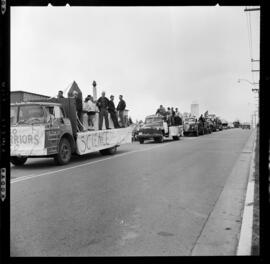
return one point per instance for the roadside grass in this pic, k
(255, 249)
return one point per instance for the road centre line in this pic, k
(23, 178)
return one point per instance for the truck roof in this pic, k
(36, 103)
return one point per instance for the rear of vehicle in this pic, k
(245, 126)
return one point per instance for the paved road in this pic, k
(150, 199)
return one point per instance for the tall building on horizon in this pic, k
(194, 109)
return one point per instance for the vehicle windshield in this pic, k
(153, 120)
(31, 114)
(190, 120)
(13, 115)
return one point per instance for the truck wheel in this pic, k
(18, 161)
(141, 140)
(175, 137)
(108, 151)
(64, 153)
(160, 139)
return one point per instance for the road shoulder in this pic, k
(220, 234)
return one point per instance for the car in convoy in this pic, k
(224, 124)
(193, 127)
(157, 128)
(208, 126)
(49, 129)
(245, 125)
(219, 126)
(236, 124)
(230, 125)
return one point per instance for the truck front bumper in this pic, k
(149, 136)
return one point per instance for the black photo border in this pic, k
(5, 130)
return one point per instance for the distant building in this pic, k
(194, 109)
(23, 96)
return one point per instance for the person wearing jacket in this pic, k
(90, 108)
(121, 109)
(103, 105)
(79, 109)
(113, 112)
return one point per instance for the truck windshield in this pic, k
(31, 114)
(153, 120)
(13, 115)
(190, 120)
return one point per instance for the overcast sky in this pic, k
(152, 55)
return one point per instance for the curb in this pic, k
(245, 239)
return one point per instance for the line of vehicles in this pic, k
(49, 129)
(157, 128)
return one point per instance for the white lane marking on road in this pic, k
(23, 178)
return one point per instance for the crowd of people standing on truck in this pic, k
(103, 106)
(171, 116)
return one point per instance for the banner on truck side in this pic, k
(91, 141)
(27, 141)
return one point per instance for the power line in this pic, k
(249, 26)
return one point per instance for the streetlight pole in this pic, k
(252, 83)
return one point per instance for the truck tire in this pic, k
(175, 137)
(141, 140)
(18, 161)
(108, 151)
(64, 152)
(160, 139)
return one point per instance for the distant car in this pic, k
(230, 125)
(245, 126)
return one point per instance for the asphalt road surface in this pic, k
(150, 199)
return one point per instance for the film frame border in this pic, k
(5, 126)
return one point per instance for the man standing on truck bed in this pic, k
(79, 109)
(121, 108)
(103, 105)
(113, 112)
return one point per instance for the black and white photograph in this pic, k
(134, 131)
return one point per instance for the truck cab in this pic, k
(156, 127)
(40, 129)
(192, 126)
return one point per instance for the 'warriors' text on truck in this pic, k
(49, 129)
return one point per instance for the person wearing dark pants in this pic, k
(113, 112)
(121, 109)
(79, 109)
(103, 105)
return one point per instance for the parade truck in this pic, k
(157, 128)
(50, 129)
(193, 127)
